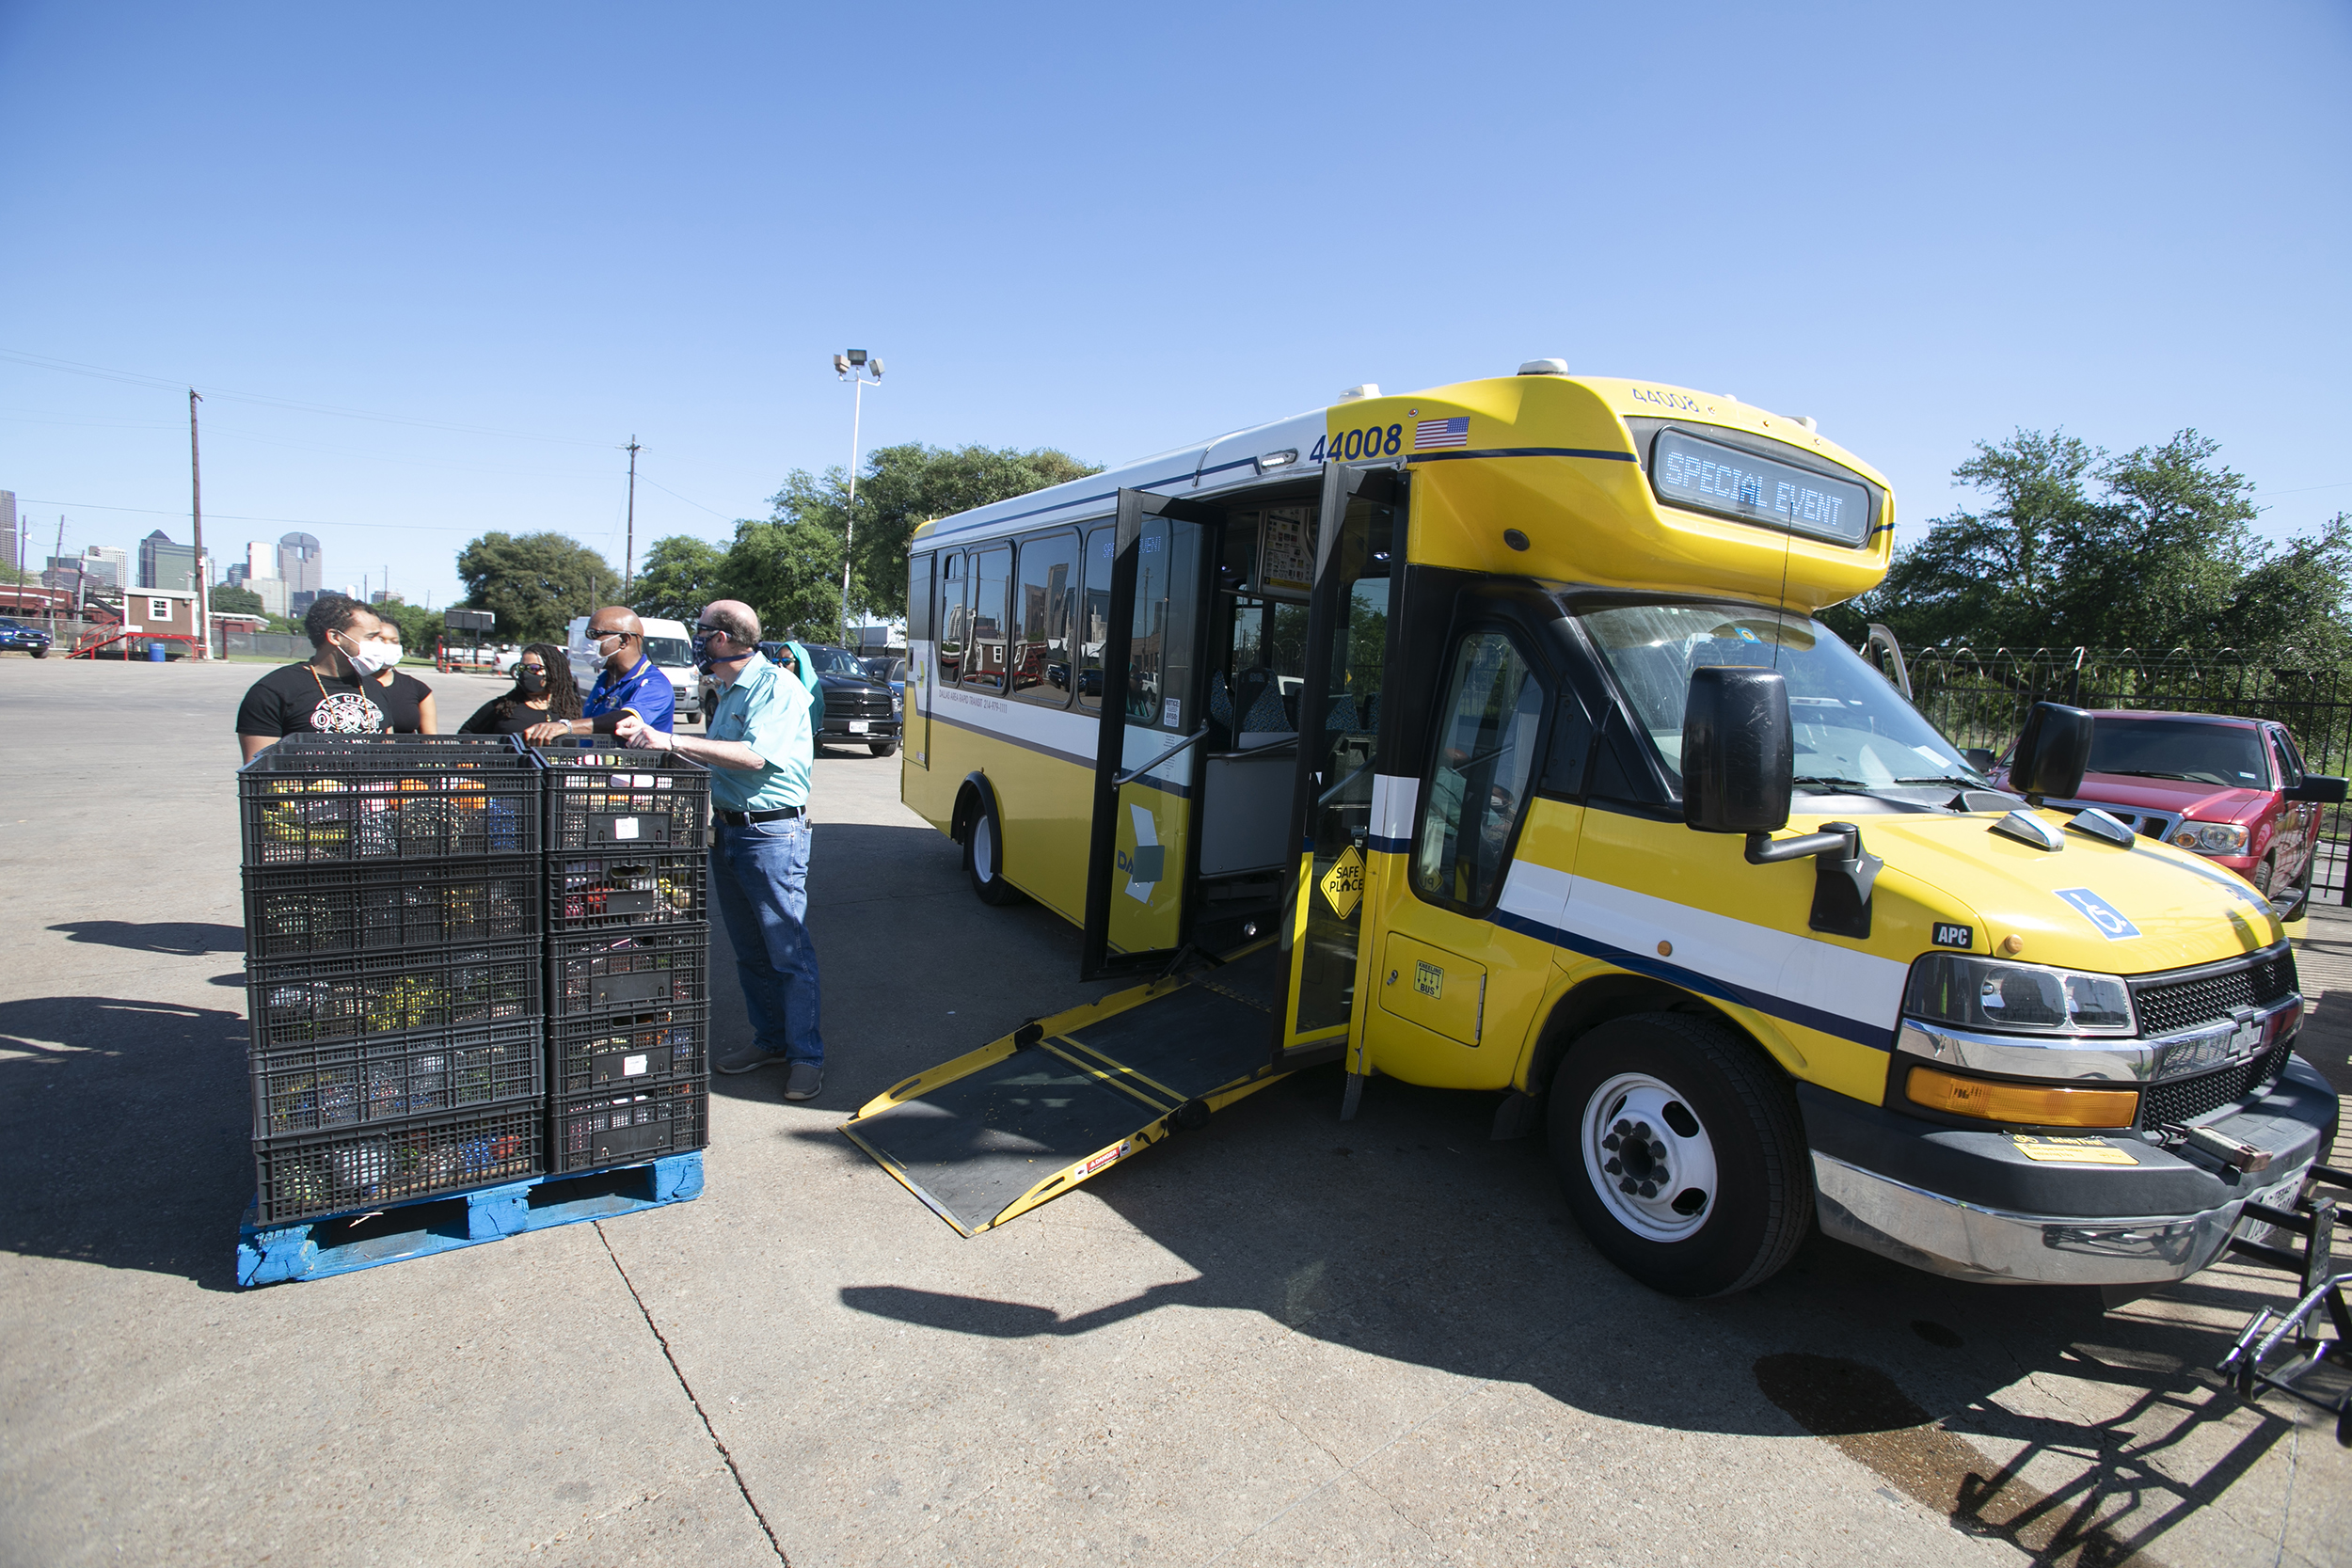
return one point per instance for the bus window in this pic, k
(1043, 605)
(1159, 676)
(984, 655)
(1095, 616)
(952, 617)
(1486, 752)
(919, 598)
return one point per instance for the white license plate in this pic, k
(857, 726)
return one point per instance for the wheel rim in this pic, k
(1649, 1158)
(983, 851)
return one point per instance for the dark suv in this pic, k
(2233, 790)
(24, 639)
(859, 710)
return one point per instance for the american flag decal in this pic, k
(1430, 434)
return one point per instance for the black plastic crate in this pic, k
(312, 1089)
(300, 1002)
(616, 1054)
(602, 1129)
(615, 892)
(643, 974)
(611, 798)
(388, 798)
(313, 911)
(389, 1163)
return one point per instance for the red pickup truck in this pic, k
(2232, 789)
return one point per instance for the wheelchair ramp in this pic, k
(1002, 1128)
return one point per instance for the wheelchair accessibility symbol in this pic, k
(2105, 916)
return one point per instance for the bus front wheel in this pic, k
(984, 859)
(1682, 1153)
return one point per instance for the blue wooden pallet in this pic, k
(310, 1249)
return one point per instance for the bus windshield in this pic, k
(1853, 729)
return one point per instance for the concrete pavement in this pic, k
(1280, 1339)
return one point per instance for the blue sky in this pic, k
(526, 232)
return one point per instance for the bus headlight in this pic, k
(1992, 993)
(2211, 838)
(2027, 1105)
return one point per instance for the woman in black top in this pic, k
(543, 689)
(406, 702)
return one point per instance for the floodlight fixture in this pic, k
(857, 356)
(841, 364)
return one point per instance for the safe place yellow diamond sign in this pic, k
(1344, 884)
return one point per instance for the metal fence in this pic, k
(1981, 698)
(270, 643)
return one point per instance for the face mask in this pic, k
(392, 653)
(608, 644)
(366, 658)
(534, 681)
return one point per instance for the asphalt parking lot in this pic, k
(1282, 1338)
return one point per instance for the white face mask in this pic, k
(371, 657)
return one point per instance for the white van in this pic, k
(667, 643)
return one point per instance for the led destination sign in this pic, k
(1706, 477)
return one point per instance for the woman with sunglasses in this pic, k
(543, 689)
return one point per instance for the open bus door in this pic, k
(1147, 770)
(1360, 553)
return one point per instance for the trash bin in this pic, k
(155, 653)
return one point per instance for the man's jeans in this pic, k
(759, 875)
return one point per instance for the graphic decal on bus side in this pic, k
(1147, 861)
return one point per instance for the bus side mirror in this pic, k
(1739, 753)
(2052, 752)
(2320, 789)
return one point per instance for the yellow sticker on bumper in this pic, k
(2072, 1152)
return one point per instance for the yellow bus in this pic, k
(1484, 738)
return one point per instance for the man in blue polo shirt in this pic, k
(760, 745)
(629, 682)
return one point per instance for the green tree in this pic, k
(900, 489)
(2154, 550)
(236, 600)
(680, 574)
(421, 629)
(534, 582)
(790, 574)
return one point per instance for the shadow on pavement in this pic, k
(124, 1134)
(178, 938)
(1407, 1235)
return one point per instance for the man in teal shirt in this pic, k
(760, 744)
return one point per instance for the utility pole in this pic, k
(628, 551)
(195, 507)
(53, 603)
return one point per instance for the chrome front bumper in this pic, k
(1965, 1240)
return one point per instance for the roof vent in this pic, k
(1545, 366)
(1368, 390)
(1808, 421)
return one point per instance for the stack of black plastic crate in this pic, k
(629, 943)
(394, 941)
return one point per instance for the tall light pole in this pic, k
(854, 366)
(196, 511)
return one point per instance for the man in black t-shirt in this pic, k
(328, 693)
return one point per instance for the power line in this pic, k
(237, 517)
(133, 378)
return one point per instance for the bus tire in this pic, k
(1682, 1153)
(984, 855)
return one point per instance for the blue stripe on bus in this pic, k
(1388, 846)
(1520, 452)
(1878, 1037)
